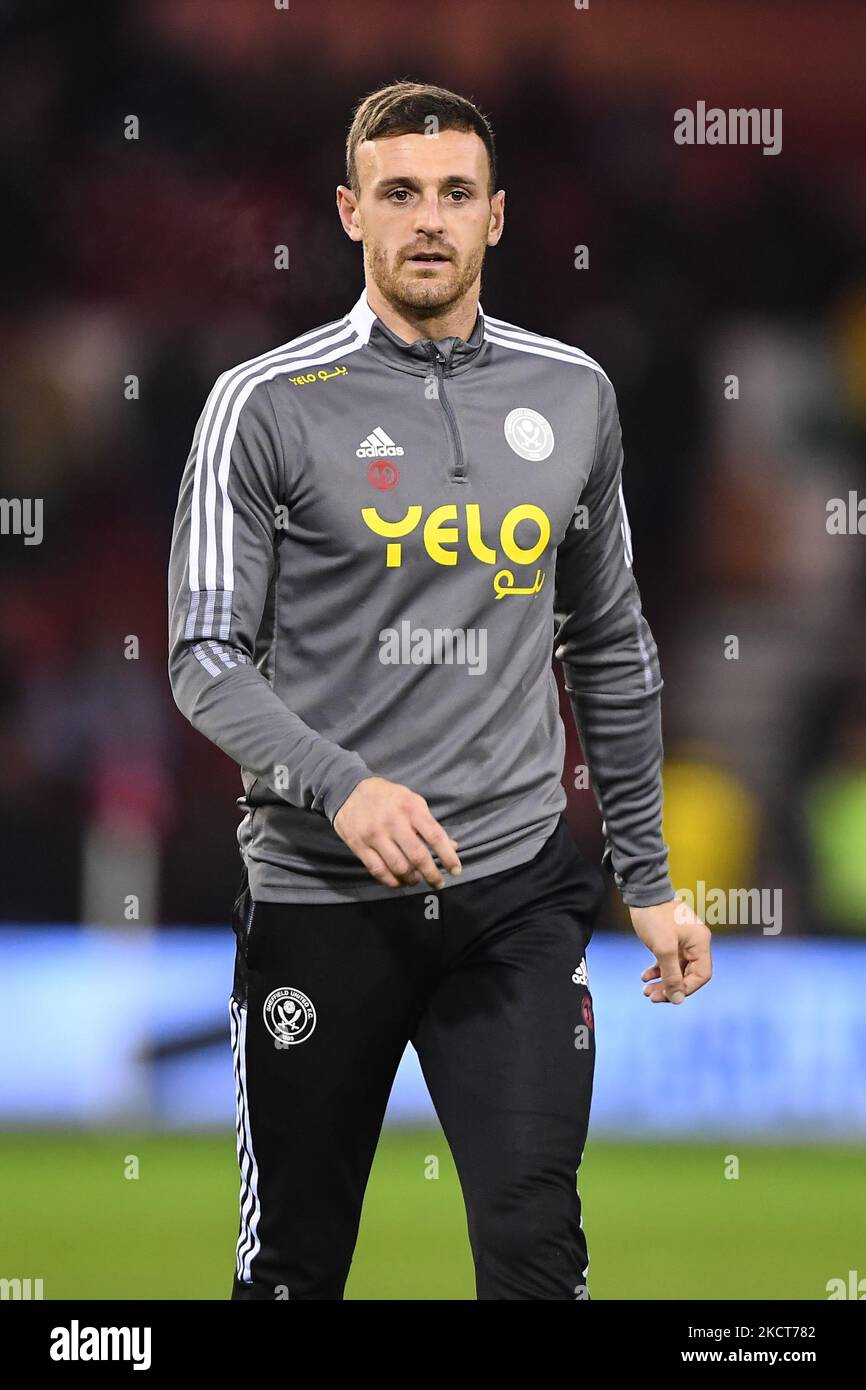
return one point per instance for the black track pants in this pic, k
(485, 979)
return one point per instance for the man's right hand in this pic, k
(390, 828)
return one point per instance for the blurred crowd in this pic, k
(135, 270)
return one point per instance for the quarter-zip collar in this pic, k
(458, 353)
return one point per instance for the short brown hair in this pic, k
(404, 108)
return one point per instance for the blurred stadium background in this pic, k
(153, 259)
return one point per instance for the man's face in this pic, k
(424, 216)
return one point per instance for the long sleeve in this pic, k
(221, 567)
(611, 670)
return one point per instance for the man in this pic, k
(384, 527)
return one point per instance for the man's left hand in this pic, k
(681, 945)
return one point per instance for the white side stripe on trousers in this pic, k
(248, 1242)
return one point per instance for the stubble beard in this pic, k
(418, 297)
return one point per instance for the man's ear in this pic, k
(497, 217)
(347, 209)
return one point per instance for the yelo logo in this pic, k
(439, 532)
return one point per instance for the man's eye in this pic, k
(398, 194)
(460, 193)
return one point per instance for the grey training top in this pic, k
(378, 547)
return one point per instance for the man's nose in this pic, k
(429, 214)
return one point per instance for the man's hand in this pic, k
(386, 825)
(681, 945)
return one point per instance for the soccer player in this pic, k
(386, 529)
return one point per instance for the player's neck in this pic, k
(456, 321)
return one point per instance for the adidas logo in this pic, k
(580, 975)
(378, 445)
